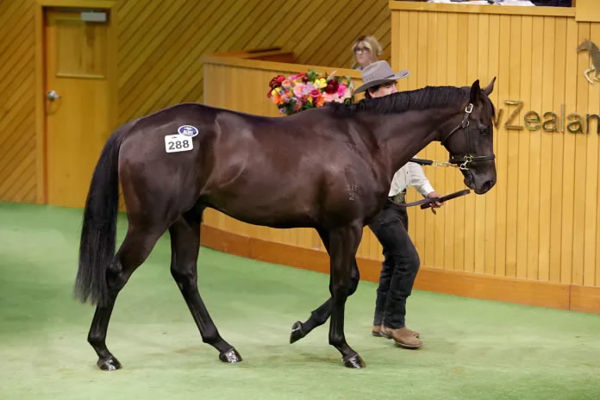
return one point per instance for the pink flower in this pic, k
(299, 89)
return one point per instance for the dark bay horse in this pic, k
(328, 168)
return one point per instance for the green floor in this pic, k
(474, 349)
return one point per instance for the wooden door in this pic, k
(78, 102)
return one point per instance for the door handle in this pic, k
(52, 95)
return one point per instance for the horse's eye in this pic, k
(486, 131)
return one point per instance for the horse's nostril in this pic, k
(489, 184)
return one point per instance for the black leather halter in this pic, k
(463, 162)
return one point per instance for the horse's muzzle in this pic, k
(487, 185)
(479, 186)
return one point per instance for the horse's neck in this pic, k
(404, 135)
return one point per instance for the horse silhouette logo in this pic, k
(595, 57)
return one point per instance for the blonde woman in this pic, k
(366, 50)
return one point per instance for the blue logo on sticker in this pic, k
(188, 130)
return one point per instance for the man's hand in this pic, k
(434, 204)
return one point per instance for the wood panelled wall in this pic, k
(541, 221)
(160, 43)
(159, 46)
(17, 105)
(535, 237)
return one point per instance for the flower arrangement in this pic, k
(308, 90)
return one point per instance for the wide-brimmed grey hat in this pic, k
(378, 73)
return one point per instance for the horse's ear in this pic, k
(475, 92)
(488, 89)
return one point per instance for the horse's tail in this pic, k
(97, 246)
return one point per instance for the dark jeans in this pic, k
(400, 265)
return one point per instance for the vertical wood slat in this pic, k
(450, 212)
(439, 247)
(540, 167)
(566, 256)
(526, 236)
(580, 163)
(491, 203)
(480, 217)
(550, 220)
(512, 194)
(590, 242)
(468, 219)
(502, 150)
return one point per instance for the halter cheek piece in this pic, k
(468, 159)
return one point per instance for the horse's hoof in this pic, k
(109, 364)
(297, 332)
(354, 361)
(230, 356)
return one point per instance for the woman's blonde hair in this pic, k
(370, 42)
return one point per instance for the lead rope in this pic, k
(423, 161)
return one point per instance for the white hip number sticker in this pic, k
(177, 143)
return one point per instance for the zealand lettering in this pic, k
(548, 121)
(551, 124)
(588, 123)
(508, 125)
(532, 121)
(498, 117)
(575, 125)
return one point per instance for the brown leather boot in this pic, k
(376, 331)
(403, 337)
(383, 332)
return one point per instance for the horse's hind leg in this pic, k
(133, 252)
(320, 315)
(185, 243)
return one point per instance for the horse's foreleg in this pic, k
(320, 315)
(342, 250)
(135, 249)
(185, 243)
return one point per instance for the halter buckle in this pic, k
(465, 164)
(465, 121)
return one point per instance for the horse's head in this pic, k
(470, 143)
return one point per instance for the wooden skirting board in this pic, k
(544, 294)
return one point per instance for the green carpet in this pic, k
(474, 349)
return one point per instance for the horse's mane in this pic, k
(420, 99)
